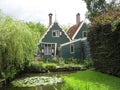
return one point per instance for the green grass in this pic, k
(90, 80)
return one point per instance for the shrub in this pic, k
(88, 63)
(50, 66)
(70, 60)
(36, 66)
(40, 66)
(9, 73)
(105, 48)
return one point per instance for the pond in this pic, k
(47, 87)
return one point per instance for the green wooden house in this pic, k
(70, 44)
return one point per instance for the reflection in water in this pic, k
(49, 87)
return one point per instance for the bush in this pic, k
(70, 61)
(9, 73)
(88, 63)
(40, 66)
(36, 66)
(105, 48)
(50, 66)
(55, 60)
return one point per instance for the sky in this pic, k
(38, 10)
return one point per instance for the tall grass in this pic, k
(90, 80)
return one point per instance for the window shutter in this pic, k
(42, 50)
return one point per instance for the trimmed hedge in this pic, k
(105, 48)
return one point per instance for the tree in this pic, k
(100, 12)
(95, 7)
(109, 16)
(37, 28)
(17, 44)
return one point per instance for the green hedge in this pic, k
(105, 48)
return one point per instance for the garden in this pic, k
(79, 80)
(46, 74)
(18, 45)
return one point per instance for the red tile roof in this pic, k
(72, 30)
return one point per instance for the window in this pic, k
(56, 33)
(72, 48)
(48, 49)
(84, 34)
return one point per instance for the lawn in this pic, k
(90, 80)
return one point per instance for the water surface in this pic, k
(48, 87)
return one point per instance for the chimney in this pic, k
(78, 18)
(50, 19)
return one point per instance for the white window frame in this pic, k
(83, 34)
(72, 46)
(51, 47)
(48, 50)
(57, 33)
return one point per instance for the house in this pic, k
(70, 44)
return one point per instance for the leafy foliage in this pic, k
(40, 66)
(107, 17)
(104, 43)
(37, 28)
(95, 7)
(17, 44)
(101, 12)
(104, 47)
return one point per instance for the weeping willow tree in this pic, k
(17, 45)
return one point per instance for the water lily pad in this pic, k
(36, 81)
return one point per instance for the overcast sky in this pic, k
(38, 10)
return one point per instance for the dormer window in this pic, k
(56, 33)
(84, 34)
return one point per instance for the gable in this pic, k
(55, 34)
(76, 31)
(80, 31)
(73, 30)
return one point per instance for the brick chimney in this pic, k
(78, 18)
(50, 18)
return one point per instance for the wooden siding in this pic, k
(59, 40)
(79, 34)
(86, 49)
(81, 50)
(65, 50)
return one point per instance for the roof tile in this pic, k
(73, 29)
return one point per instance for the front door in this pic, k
(48, 49)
